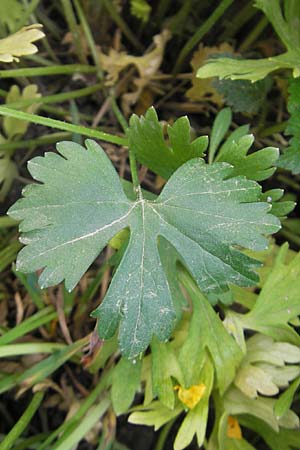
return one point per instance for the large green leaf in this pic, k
(80, 205)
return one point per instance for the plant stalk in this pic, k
(205, 27)
(53, 123)
(22, 423)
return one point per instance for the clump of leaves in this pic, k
(206, 212)
(285, 20)
(254, 372)
(20, 43)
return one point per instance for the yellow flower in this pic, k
(191, 396)
(233, 428)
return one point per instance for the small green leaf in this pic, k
(282, 440)
(228, 443)
(80, 205)
(8, 172)
(146, 139)
(278, 301)
(236, 403)
(155, 415)
(14, 127)
(205, 334)
(284, 402)
(220, 127)
(164, 365)
(248, 69)
(125, 383)
(256, 166)
(140, 9)
(280, 207)
(195, 422)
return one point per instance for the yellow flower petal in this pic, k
(233, 428)
(191, 396)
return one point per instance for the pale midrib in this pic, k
(63, 205)
(88, 235)
(189, 194)
(233, 219)
(141, 294)
(202, 249)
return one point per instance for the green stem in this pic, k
(109, 5)
(205, 27)
(74, 28)
(87, 423)
(134, 172)
(56, 98)
(277, 128)
(37, 320)
(61, 112)
(254, 33)
(43, 140)
(289, 181)
(29, 349)
(162, 9)
(7, 222)
(89, 37)
(52, 123)
(67, 427)
(68, 69)
(238, 21)
(287, 234)
(22, 423)
(132, 158)
(118, 113)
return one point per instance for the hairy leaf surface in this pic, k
(80, 205)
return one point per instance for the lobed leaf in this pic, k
(206, 216)
(20, 43)
(278, 301)
(146, 139)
